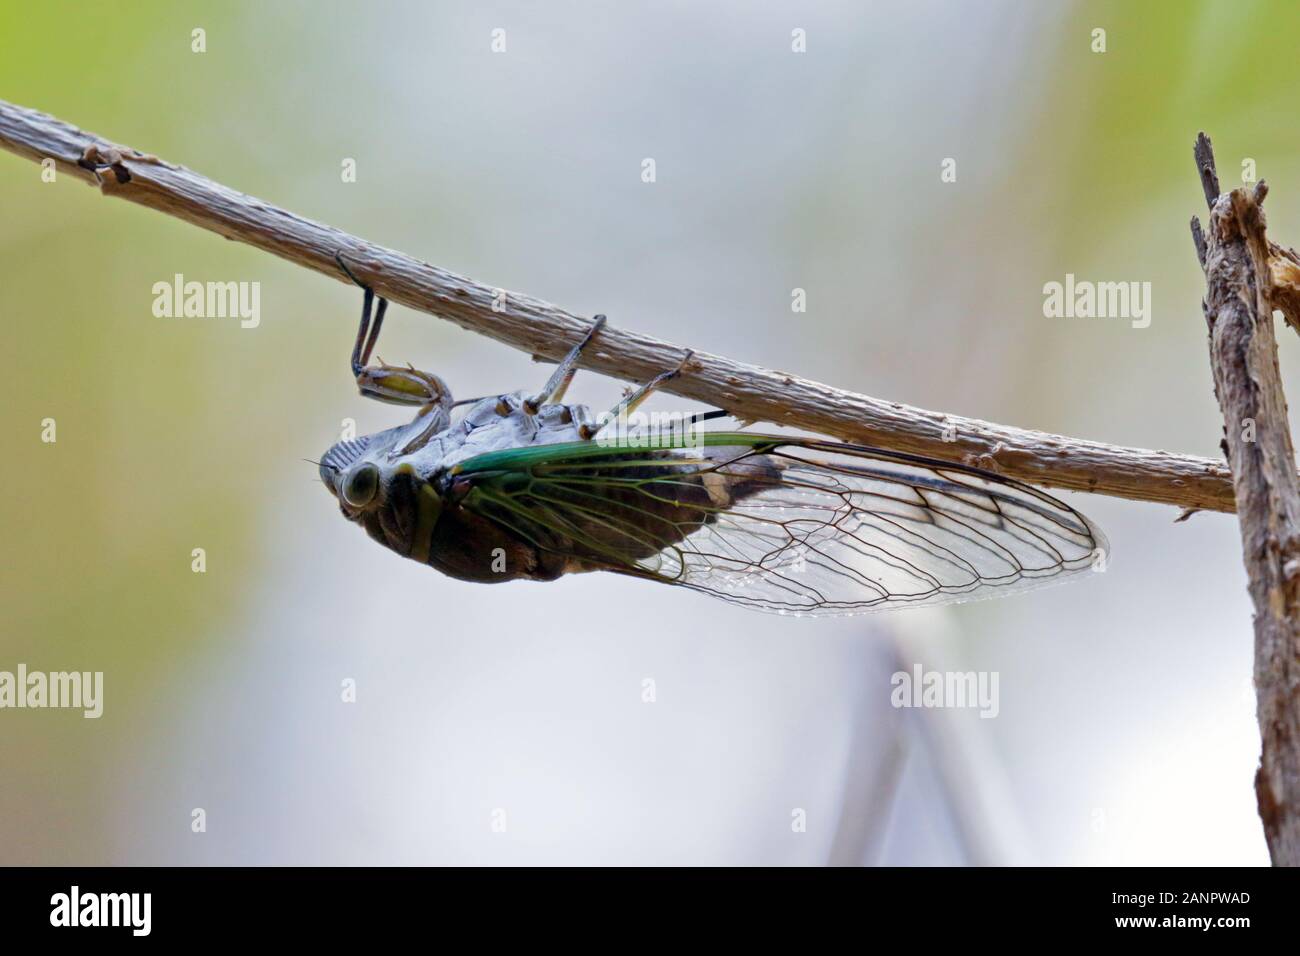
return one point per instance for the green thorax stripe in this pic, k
(513, 458)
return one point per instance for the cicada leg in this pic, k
(630, 402)
(391, 383)
(562, 377)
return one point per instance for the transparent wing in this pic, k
(789, 526)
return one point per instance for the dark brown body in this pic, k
(469, 545)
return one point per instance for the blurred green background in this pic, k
(1126, 733)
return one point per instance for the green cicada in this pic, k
(525, 486)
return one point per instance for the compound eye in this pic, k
(361, 485)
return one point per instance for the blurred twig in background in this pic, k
(1246, 279)
(746, 391)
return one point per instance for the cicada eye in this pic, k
(361, 485)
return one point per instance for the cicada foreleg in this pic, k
(391, 383)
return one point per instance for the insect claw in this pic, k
(338, 257)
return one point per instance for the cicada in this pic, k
(524, 486)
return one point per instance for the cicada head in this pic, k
(381, 491)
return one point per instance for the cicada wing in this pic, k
(789, 525)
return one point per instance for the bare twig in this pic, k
(1239, 303)
(748, 392)
(1203, 153)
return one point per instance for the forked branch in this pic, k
(748, 392)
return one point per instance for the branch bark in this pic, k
(746, 391)
(1241, 294)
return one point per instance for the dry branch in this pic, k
(1241, 294)
(746, 391)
